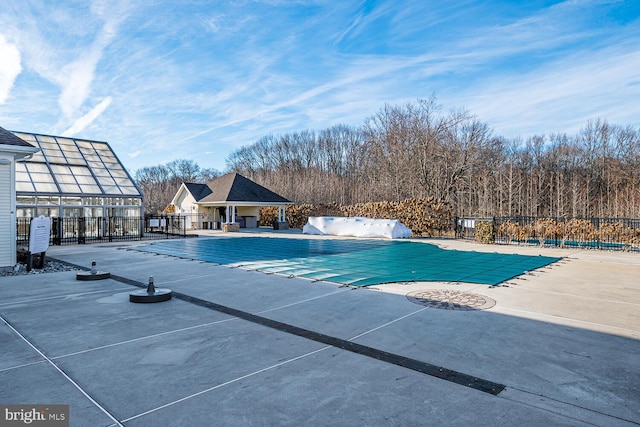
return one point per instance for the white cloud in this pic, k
(561, 96)
(80, 124)
(77, 77)
(10, 67)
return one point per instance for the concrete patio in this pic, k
(563, 341)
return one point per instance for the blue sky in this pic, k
(197, 79)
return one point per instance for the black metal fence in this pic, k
(70, 231)
(593, 233)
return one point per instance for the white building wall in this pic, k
(186, 206)
(7, 214)
(248, 211)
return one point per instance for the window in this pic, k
(79, 174)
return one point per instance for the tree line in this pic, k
(419, 150)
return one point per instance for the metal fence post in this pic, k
(57, 231)
(81, 230)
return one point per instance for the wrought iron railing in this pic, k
(69, 231)
(589, 233)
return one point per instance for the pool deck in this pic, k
(564, 341)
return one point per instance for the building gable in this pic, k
(198, 191)
(234, 187)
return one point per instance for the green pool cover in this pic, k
(355, 262)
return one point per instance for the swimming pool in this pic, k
(354, 262)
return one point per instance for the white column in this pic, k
(233, 215)
(227, 215)
(284, 214)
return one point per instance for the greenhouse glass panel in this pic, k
(96, 165)
(113, 201)
(71, 201)
(61, 169)
(111, 190)
(38, 157)
(103, 174)
(112, 166)
(93, 212)
(93, 201)
(69, 188)
(26, 200)
(46, 187)
(24, 187)
(119, 174)
(65, 179)
(47, 147)
(51, 151)
(129, 190)
(56, 159)
(37, 167)
(72, 212)
(106, 180)
(41, 177)
(50, 212)
(75, 161)
(85, 179)
(73, 154)
(70, 151)
(26, 212)
(123, 182)
(26, 136)
(48, 200)
(90, 188)
(79, 170)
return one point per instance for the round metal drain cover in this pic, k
(445, 299)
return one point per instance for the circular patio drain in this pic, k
(451, 300)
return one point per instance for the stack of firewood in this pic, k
(425, 217)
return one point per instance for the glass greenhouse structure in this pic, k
(74, 178)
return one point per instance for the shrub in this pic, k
(485, 233)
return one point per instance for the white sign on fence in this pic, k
(39, 234)
(154, 223)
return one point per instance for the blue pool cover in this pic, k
(355, 262)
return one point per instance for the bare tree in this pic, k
(416, 150)
(160, 183)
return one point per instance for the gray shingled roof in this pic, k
(234, 187)
(198, 191)
(8, 138)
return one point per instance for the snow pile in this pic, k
(356, 226)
